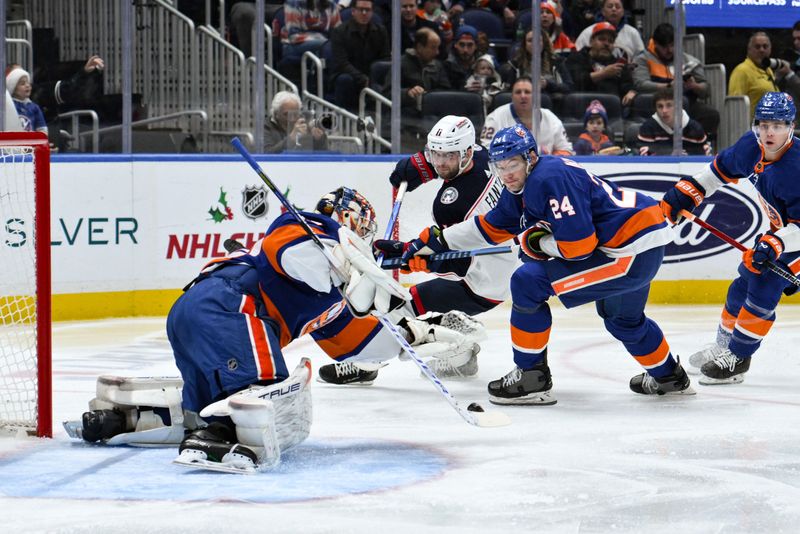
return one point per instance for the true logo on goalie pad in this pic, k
(254, 202)
(288, 390)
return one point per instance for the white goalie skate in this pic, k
(452, 348)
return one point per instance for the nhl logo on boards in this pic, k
(254, 202)
(449, 195)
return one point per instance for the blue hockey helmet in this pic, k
(513, 141)
(775, 106)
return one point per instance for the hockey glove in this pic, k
(686, 195)
(430, 241)
(767, 249)
(389, 248)
(530, 241)
(415, 170)
(457, 266)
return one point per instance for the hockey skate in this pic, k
(444, 368)
(703, 356)
(214, 448)
(531, 386)
(677, 383)
(346, 373)
(727, 368)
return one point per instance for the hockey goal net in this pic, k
(25, 349)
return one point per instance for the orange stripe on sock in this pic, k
(529, 341)
(727, 320)
(655, 358)
(752, 323)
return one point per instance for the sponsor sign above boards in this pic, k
(141, 225)
(740, 13)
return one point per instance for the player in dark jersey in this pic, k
(769, 157)
(471, 285)
(585, 241)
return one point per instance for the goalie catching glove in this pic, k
(367, 287)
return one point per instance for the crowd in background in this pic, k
(605, 87)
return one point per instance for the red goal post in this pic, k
(25, 293)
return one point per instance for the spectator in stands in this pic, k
(355, 45)
(656, 133)
(31, 118)
(593, 140)
(485, 76)
(410, 22)
(461, 61)
(753, 77)
(596, 69)
(582, 13)
(555, 79)
(79, 91)
(551, 24)
(792, 56)
(420, 71)
(308, 27)
(242, 17)
(287, 129)
(552, 137)
(655, 70)
(628, 37)
(431, 10)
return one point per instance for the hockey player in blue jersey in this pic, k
(228, 329)
(584, 240)
(769, 157)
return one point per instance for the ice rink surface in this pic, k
(395, 457)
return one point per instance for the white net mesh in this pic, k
(18, 326)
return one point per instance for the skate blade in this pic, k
(74, 429)
(197, 460)
(362, 383)
(694, 371)
(533, 399)
(688, 391)
(708, 381)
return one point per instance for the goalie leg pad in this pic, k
(291, 400)
(123, 412)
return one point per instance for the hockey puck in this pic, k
(475, 407)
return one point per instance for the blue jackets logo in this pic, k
(729, 209)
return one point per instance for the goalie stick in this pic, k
(475, 415)
(772, 266)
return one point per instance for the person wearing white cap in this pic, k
(31, 118)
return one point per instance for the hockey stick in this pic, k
(474, 414)
(393, 263)
(772, 266)
(398, 201)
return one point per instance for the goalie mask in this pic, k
(450, 146)
(350, 209)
